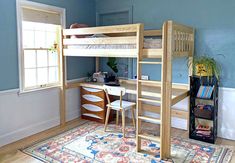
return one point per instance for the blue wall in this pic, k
(82, 11)
(214, 22)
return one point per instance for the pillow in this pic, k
(76, 25)
(98, 35)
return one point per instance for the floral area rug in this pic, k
(89, 143)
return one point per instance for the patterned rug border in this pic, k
(228, 155)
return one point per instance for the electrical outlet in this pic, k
(145, 77)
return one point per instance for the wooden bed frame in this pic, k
(177, 41)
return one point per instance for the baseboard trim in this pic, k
(73, 115)
(28, 131)
(15, 134)
(30, 140)
(36, 128)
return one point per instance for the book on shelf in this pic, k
(203, 131)
(205, 91)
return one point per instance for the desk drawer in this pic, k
(91, 116)
(93, 111)
(92, 108)
(99, 104)
(92, 98)
(91, 91)
(93, 104)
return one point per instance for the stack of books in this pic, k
(203, 131)
(205, 91)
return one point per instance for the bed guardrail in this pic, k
(183, 43)
(116, 35)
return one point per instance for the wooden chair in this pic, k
(118, 105)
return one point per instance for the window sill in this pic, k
(37, 90)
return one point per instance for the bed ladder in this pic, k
(164, 102)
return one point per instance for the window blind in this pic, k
(41, 16)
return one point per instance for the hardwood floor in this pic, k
(11, 154)
(18, 157)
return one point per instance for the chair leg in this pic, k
(133, 116)
(117, 117)
(123, 122)
(107, 118)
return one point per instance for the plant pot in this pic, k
(202, 70)
(110, 78)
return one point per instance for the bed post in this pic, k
(62, 84)
(190, 60)
(166, 92)
(190, 72)
(140, 45)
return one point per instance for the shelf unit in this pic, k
(207, 116)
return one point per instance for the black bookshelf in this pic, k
(201, 115)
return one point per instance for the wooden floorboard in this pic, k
(11, 154)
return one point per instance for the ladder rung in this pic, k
(150, 137)
(153, 63)
(156, 120)
(150, 100)
(152, 53)
(150, 82)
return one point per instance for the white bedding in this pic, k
(149, 43)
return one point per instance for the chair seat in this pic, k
(125, 105)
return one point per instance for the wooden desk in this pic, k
(179, 91)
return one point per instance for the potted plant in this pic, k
(112, 63)
(206, 66)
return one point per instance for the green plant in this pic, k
(89, 75)
(209, 64)
(112, 63)
(53, 48)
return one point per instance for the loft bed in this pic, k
(132, 41)
(122, 41)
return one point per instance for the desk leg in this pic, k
(133, 116)
(123, 122)
(117, 117)
(107, 118)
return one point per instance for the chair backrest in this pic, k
(115, 90)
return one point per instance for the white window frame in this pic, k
(40, 6)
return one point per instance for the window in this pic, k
(40, 53)
(39, 38)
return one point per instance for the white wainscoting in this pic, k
(29, 113)
(226, 114)
(26, 114)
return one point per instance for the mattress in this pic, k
(149, 43)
